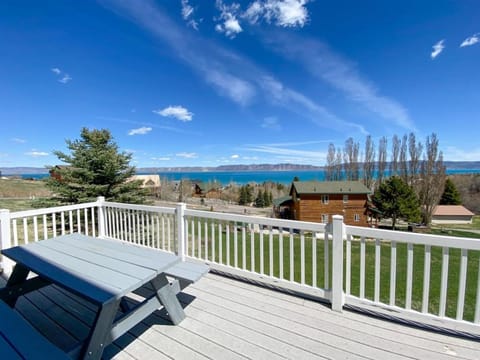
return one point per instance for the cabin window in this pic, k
(325, 218)
(356, 217)
(345, 199)
(325, 199)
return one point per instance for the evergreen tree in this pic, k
(95, 167)
(450, 195)
(260, 200)
(396, 200)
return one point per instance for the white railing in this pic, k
(420, 276)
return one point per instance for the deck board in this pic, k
(230, 319)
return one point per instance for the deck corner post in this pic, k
(338, 234)
(101, 216)
(181, 235)
(5, 240)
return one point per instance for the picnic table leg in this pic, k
(168, 298)
(99, 337)
(18, 276)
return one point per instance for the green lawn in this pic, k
(272, 248)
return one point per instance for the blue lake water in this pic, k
(244, 177)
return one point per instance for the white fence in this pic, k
(419, 276)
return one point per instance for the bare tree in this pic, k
(350, 157)
(403, 166)
(382, 159)
(369, 162)
(415, 150)
(338, 166)
(395, 155)
(433, 175)
(330, 166)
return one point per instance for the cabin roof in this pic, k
(329, 187)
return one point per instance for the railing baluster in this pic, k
(362, 267)
(85, 214)
(302, 257)
(348, 265)
(244, 247)
(54, 225)
(70, 221)
(79, 222)
(314, 259)
(261, 253)
(228, 243)
(62, 221)
(35, 229)
(205, 238)
(326, 261)
(252, 250)
(462, 283)
(92, 213)
(292, 267)
(193, 236)
(409, 285)
(212, 236)
(25, 230)
(45, 228)
(393, 273)
(15, 232)
(270, 250)
(376, 296)
(443, 283)
(169, 234)
(476, 318)
(235, 246)
(220, 243)
(426, 278)
(280, 252)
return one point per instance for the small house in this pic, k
(452, 214)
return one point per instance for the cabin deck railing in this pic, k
(421, 276)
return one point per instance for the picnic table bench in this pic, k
(101, 271)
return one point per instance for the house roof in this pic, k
(329, 187)
(446, 210)
(281, 200)
(148, 180)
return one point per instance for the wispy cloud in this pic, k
(285, 13)
(229, 73)
(310, 155)
(187, 14)
(19, 140)
(437, 48)
(35, 153)
(326, 65)
(161, 158)
(235, 156)
(65, 79)
(178, 112)
(229, 24)
(187, 155)
(271, 123)
(62, 76)
(140, 131)
(472, 40)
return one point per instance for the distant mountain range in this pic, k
(451, 165)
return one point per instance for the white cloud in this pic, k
(285, 13)
(437, 49)
(235, 156)
(19, 140)
(187, 14)
(326, 65)
(36, 153)
(56, 71)
(162, 158)
(178, 112)
(472, 40)
(187, 155)
(271, 123)
(65, 79)
(230, 25)
(276, 150)
(140, 131)
(239, 90)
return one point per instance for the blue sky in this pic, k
(208, 83)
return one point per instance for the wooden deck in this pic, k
(229, 319)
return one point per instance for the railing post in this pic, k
(101, 217)
(338, 232)
(181, 236)
(5, 240)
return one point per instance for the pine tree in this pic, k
(395, 199)
(450, 195)
(95, 167)
(259, 200)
